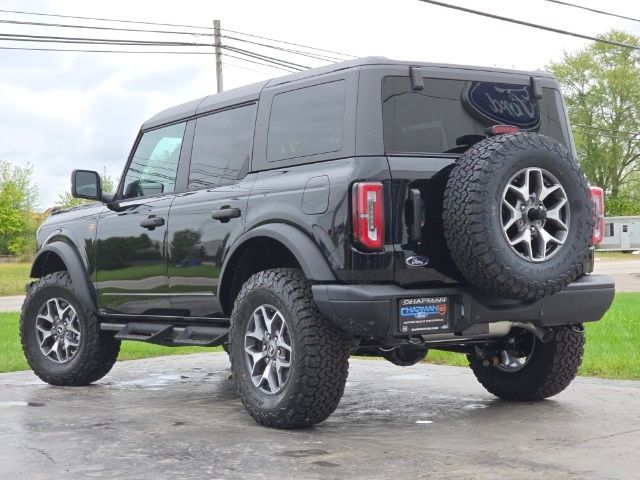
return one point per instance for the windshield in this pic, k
(449, 116)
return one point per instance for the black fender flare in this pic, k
(76, 268)
(304, 249)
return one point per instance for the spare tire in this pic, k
(517, 216)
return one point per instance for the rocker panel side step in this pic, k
(168, 334)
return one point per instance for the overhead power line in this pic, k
(594, 10)
(288, 43)
(98, 27)
(44, 49)
(247, 55)
(532, 25)
(172, 32)
(102, 19)
(259, 56)
(248, 60)
(289, 50)
(97, 41)
(161, 24)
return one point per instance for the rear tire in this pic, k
(309, 390)
(96, 351)
(549, 371)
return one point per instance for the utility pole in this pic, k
(218, 49)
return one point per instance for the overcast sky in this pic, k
(60, 111)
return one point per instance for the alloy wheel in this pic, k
(58, 330)
(267, 345)
(535, 214)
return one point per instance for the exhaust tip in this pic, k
(546, 335)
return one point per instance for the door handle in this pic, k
(152, 222)
(417, 213)
(225, 214)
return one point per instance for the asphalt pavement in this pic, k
(625, 272)
(179, 418)
(11, 304)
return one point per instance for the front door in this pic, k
(131, 250)
(625, 236)
(209, 217)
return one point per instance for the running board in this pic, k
(169, 335)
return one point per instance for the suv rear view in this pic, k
(371, 207)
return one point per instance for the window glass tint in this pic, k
(307, 121)
(437, 120)
(155, 162)
(221, 146)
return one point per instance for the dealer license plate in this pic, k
(424, 315)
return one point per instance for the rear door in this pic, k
(209, 216)
(131, 259)
(426, 130)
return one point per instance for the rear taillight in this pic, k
(597, 199)
(501, 130)
(368, 215)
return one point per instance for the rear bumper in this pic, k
(372, 310)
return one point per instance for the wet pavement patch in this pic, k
(146, 421)
(304, 453)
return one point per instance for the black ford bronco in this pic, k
(369, 207)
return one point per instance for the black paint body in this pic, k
(180, 269)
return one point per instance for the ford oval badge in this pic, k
(417, 261)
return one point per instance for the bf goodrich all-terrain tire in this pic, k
(62, 341)
(549, 370)
(517, 216)
(289, 364)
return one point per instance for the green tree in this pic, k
(18, 196)
(601, 87)
(66, 200)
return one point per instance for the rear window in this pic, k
(307, 121)
(448, 116)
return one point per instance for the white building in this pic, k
(621, 233)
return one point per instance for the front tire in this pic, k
(548, 369)
(289, 364)
(62, 341)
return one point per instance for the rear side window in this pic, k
(307, 121)
(221, 147)
(448, 116)
(153, 168)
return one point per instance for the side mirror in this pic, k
(86, 184)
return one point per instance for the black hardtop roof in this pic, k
(249, 93)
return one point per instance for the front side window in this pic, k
(449, 116)
(154, 165)
(307, 121)
(221, 147)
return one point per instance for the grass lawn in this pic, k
(611, 351)
(616, 256)
(13, 277)
(612, 348)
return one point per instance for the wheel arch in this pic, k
(275, 245)
(59, 256)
